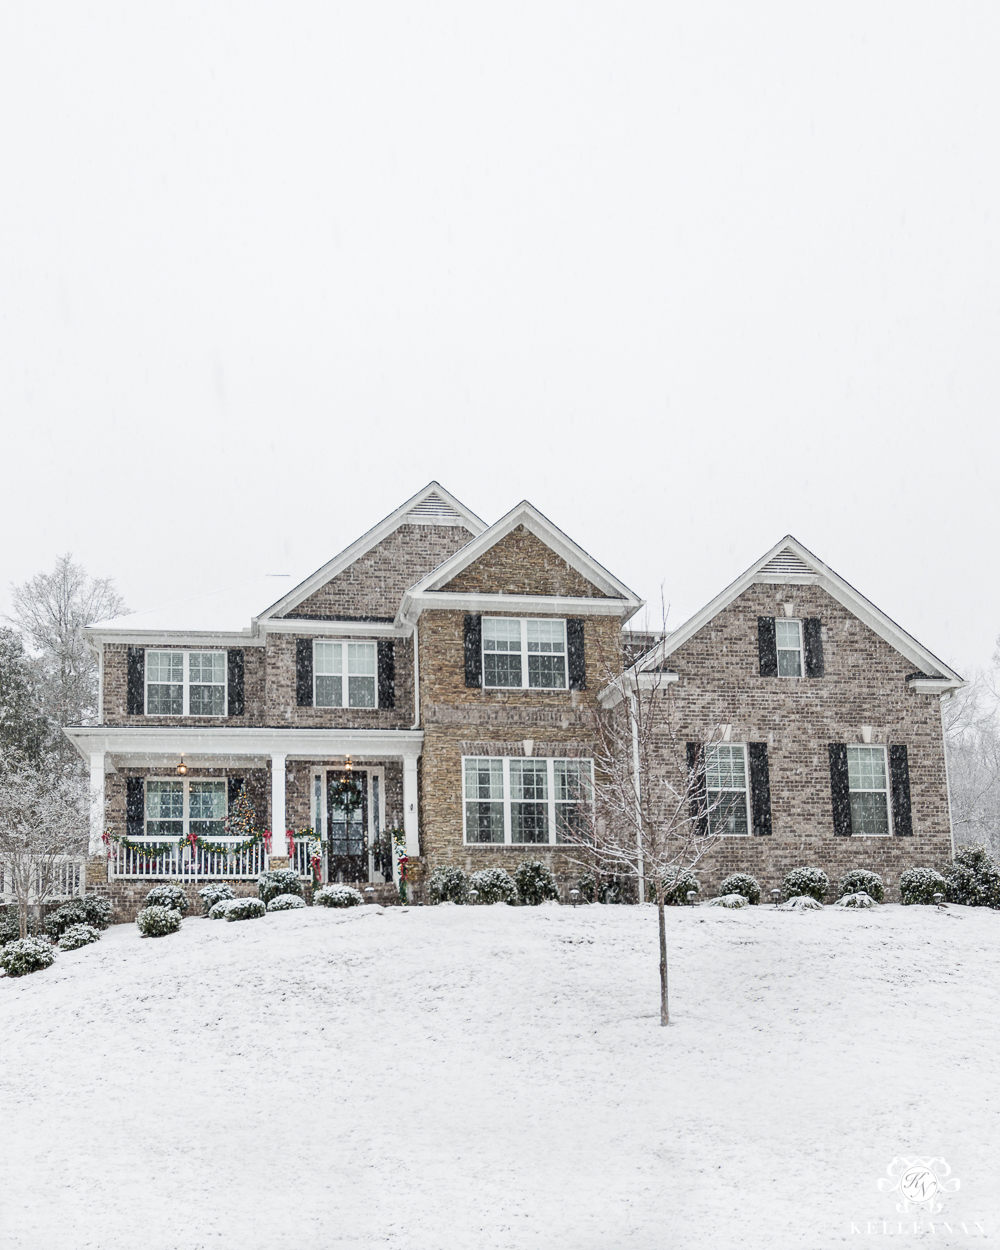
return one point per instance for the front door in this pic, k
(347, 809)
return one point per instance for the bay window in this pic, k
(526, 801)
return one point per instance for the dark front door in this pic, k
(347, 809)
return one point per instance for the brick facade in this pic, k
(522, 564)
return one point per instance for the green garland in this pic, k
(148, 850)
(347, 794)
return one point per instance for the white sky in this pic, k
(688, 277)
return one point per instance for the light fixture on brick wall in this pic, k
(182, 768)
(348, 764)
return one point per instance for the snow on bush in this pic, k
(78, 935)
(157, 921)
(609, 889)
(809, 881)
(801, 902)
(337, 896)
(218, 910)
(58, 921)
(728, 900)
(676, 894)
(214, 893)
(10, 926)
(173, 897)
(495, 885)
(973, 878)
(98, 911)
(245, 909)
(286, 902)
(448, 885)
(535, 884)
(859, 899)
(741, 883)
(861, 881)
(26, 955)
(277, 881)
(919, 885)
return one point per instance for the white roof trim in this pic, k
(419, 595)
(433, 494)
(177, 638)
(768, 569)
(549, 605)
(147, 741)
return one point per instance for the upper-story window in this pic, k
(788, 642)
(524, 654)
(186, 683)
(345, 674)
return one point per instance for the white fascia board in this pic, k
(550, 605)
(374, 536)
(339, 629)
(171, 742)
(169, 638)
(613, 693)
(935, 685)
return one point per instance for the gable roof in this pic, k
(790, 563)
(429, 591)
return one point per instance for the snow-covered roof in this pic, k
(225, 610)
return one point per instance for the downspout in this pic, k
(947, 778)
(416, 676)
(633, 717)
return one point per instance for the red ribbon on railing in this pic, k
(267, 841)
(290, 835)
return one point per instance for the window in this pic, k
(524, 802)
(185, 683)
(726, 784)
(788, 640)
(176, 808)
(345, 674)
(868, 781)
(524, 654)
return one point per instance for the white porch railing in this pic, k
(179, 861)
(68, 875)
(300, 860)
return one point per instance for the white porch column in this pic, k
(279, 847)
(96, 843)
(410, 806)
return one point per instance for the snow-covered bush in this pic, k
(286, 902)
(58, 921)
(245, 909)
(337, 896)
(10, 925)
(173, 897)
(534, 882)
(973, 878)
(609, 889)
(728, 900)
(78, 935)
(98, 911)
(495, 885)
(801, 902)
(277, 881)
(26, 955)
(214, 893)
(742, 883)
(861, 881)
(859, 899)
(157, 921)
(218, 910)
(919, 885)
(677, 892)
(810, 881)
(448, 885)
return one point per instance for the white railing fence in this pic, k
(62, 878)
(180, 861)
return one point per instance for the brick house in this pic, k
(818, 719)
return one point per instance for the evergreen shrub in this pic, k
(812, 882)
(98, 911)
(10, 925)
(157, 921)
(495, 885)
(973, 878)
(802, 902)
(919, 885)
(173, 897)
(245, 909)
(448, 885)
(277, 881)
(733, 901)
(861, 881)
(58, 921)
(214, 893)
(858, 899)
(606, 889)
(676, 893)
(337, 896)
(535, 884)
(218, 910)
(286, 902)
(742, 883)
(78, 935)
(26, 955)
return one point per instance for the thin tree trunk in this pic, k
(664, 1008)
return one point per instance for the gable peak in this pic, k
(787, 562)
(433, 509)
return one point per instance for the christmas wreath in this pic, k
(346, 793)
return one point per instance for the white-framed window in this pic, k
(175, 808)
(868, 778)
(186, 683)
(345, 674)
(788, 642)
(728, 790)
(524, 654)
(510, 801)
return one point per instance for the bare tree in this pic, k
(24, 730)
(43, 820)
(972, 740)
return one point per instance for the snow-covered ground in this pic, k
(497, 1077)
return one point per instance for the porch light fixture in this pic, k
(182, 768)
(776, 894)
(347, 763)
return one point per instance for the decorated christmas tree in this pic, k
(242, 822)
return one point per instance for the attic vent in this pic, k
(433, 511)
(786, 562)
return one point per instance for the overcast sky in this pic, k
(688, 277)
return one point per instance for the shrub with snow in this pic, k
(495, 885)
(214, 893)
(919, 885)
(157, 921)
(535, 884)
(742, 883)
(98, 911)
(812, 882)
(286, 902)
(173, 897)
(218, 910)
(608, 889)
(448, 885)
(245, 909)
(677, 892)
(277, 881)
(973, 878)
(859, 899)
(58, 921)
(861, 881)
(801, 902)
(26, 955)
(78, 935)
(728, 900)
(10, 925)
(337, 896)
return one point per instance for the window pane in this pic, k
(484, 779)
(546, 635)
(789, 664)
(484, 822)
(786, 634)
(548, 671)
(329, 691)
(207, 666)
(165, 700)
(729, 812)
(501, 634)
(484, 800)
(529, 779)
(869, 813)
(208, 700)
(529, 809)
(164, 666)
(361, 660)
(573, 799)
(165, 683)
(725, 768)
(361, 691)
(327, 657)
(207, 808)
(501, 670)
(164, 809)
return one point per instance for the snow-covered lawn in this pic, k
(497, 1077)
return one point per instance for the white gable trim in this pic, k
(428, 506)
(788, 553)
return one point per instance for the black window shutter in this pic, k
(812, 636)
(760, 789)
(899, 776)
(136, 681)
(698, 789)
(304, 672)
(575, 655)
(234, 661)
(840, 790)
(386, 673)
(135, 807)
(767, 647)
(233, 787)
(474, 651)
